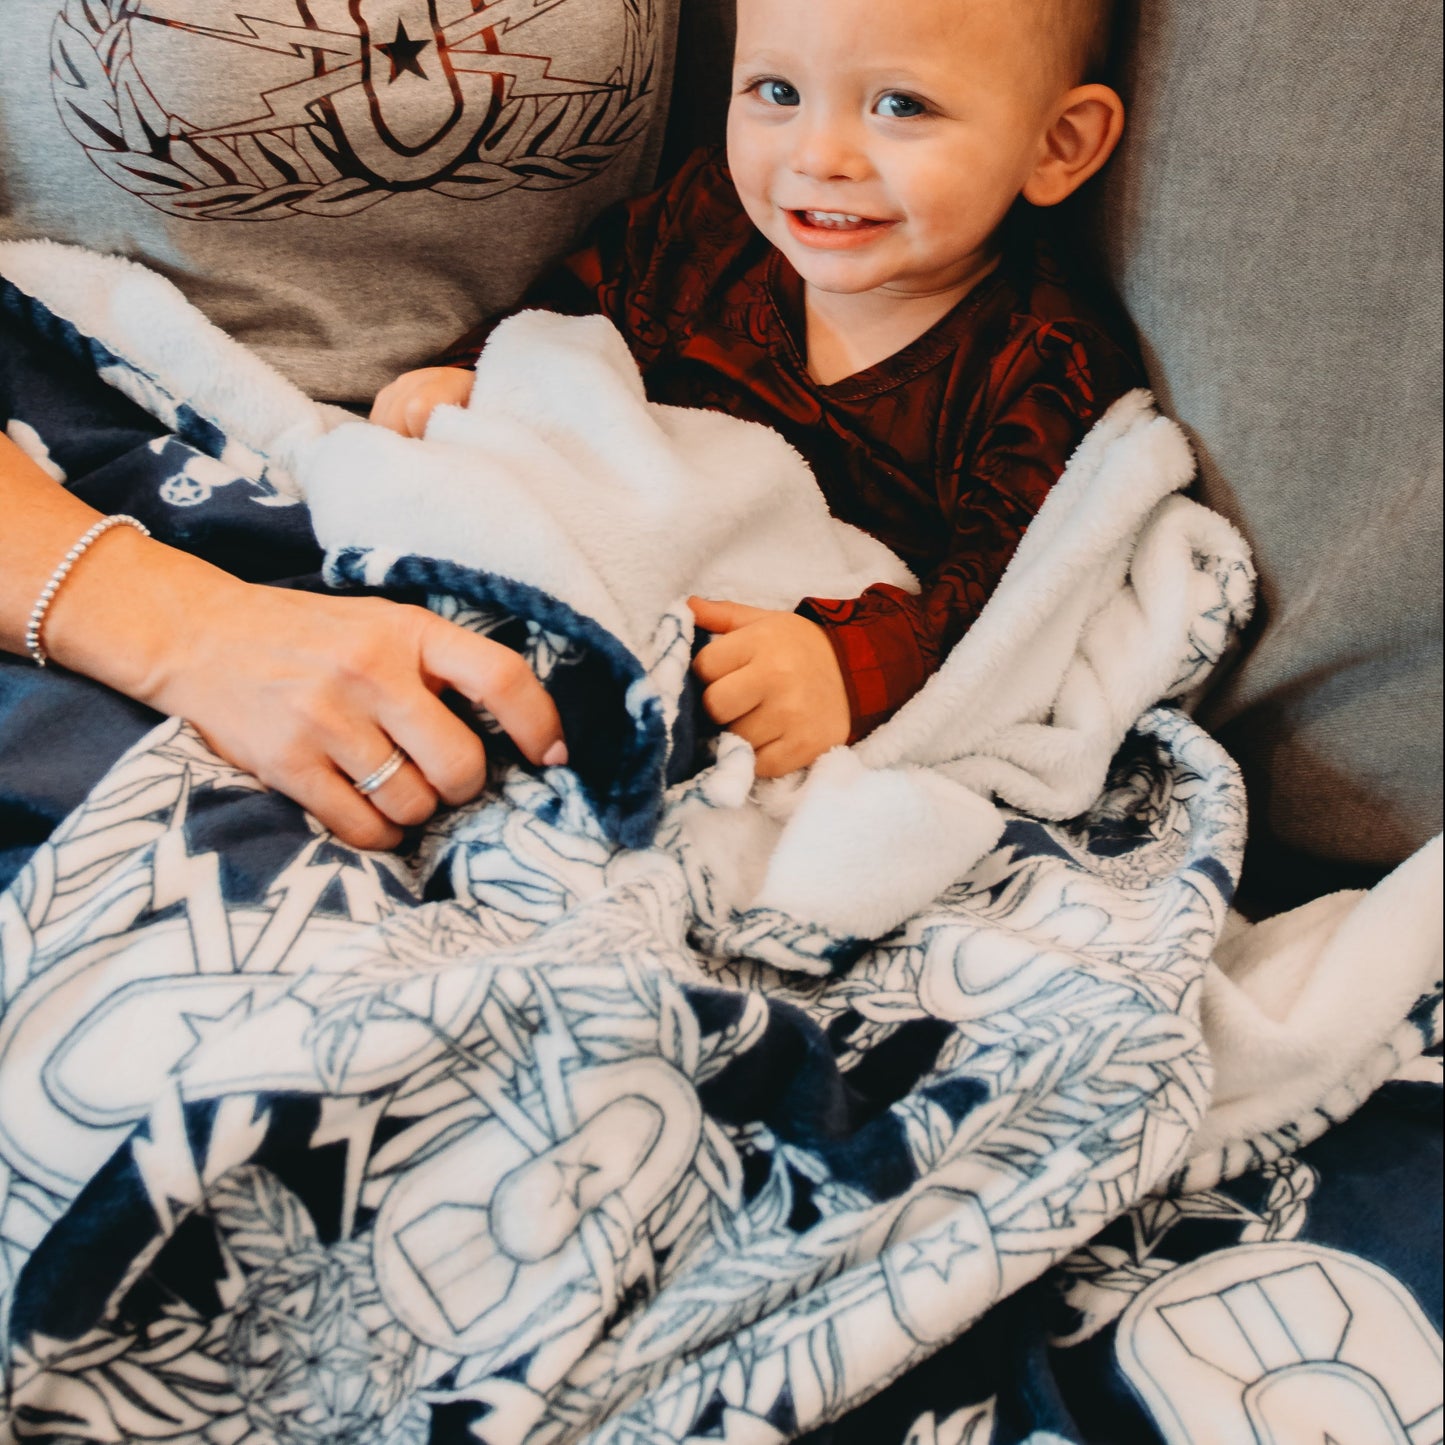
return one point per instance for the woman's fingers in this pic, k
(404, 793)
(499, 680)
(447, 759)
(312, 693)
(336, 805)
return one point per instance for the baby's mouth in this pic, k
(835, 220)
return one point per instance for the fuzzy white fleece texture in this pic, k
(560, 474)
(181, 356)
(1300, 1002)
(1092, 623)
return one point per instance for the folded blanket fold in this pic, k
(561, 477)
(559, 473)
(1303, 1005)
(620, 1110)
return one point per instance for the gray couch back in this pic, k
(1273, 223)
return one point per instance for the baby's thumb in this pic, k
(714, 616)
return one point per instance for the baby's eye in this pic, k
(898, 106)
(777, 92)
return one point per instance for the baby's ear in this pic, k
(1086, 127)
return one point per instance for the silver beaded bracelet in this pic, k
(52, 583)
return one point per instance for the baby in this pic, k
(860, 274)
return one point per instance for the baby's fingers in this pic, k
(713, 615)
(732, 697)
(783, 755)
(389, 408)
(725, 654)
(759, 728)
(417, 413)
(406, 404)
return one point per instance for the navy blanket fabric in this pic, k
(504, 1140)
(62, 732)
(1350, 1228)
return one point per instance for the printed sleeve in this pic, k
(1048, 390)
(610, 272)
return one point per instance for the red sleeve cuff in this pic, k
(877, 651)
(466, 350)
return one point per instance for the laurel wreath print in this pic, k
(535, 143)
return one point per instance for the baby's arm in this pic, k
(1047, 389)
(406, 404)
(773, 679)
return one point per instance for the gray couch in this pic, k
(1272, 222)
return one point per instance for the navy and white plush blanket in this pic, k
(633, 1102)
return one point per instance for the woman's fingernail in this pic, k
(555, 756)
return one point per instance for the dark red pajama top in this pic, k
(944, 451)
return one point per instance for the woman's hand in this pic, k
(773, 679)
(311, 694)
(406, 404)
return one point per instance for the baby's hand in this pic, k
(406, 404)
(772, 679)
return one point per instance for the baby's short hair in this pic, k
(1082, 34)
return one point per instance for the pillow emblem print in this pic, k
(283, 107)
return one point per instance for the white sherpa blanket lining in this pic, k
(562, 475)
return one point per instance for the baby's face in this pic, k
(879, 146)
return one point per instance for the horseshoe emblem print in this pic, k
(330, 106)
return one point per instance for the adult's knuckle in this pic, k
(415, 806)
(459, 769)
(510, 677)
(406, 619)
(371, 834)
(293, 762)
(361, 654)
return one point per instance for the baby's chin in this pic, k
(883, 284)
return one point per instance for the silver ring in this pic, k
(388, 770)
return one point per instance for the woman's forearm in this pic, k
(307, 692)
(116, 615)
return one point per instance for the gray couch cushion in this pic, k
(1274, 228)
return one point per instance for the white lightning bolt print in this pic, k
(526, 74)
(501, 17)
(227, 23)
(290, 105)
(351, 1122)
(164, 1161)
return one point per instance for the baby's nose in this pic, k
(828, 150)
